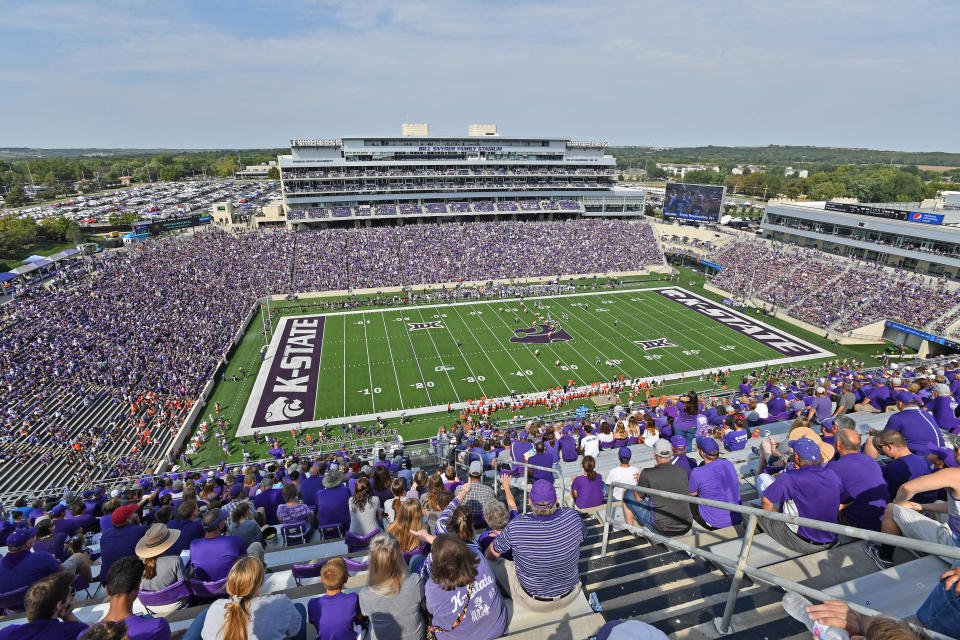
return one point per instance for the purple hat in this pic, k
(906, 397)
(679, 443)
(806, 448)
(709, 445)
(625, 453)
(58, 511)
(145, 483)
(19, 537)
(235, 491)
(543, 493)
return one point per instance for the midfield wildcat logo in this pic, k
(656, 343)
(283, 409)
(540, 334)
(436, 324)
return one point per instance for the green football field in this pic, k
(639, 313)
(420, 359)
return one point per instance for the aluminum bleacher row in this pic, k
(83, 413)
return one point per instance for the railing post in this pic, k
(608, 514)
(738, 574)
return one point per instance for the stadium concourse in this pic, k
(501, 533)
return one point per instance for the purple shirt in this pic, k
(589, 494)
(682, 460)
(118, 542)
(297, 514)
(817, 493)
(190, 530)
(333, 505)
(486, 615)
(716, 480)
(147, 628)
(822, 406)
(864, 482)
(23, 568)
(735, 440)
(568, 448)
(918, 428)
(943, 409)
(896, 472)
(43, 630)
(212, 557)
(333, 616)
(542, 460)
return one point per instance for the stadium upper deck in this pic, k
(429, 176)
(895, 234)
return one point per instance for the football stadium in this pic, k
(698, 429)
(673, 353)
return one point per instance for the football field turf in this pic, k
(356, 365)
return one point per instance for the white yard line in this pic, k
(415, 358)
(396, 375)
(366, 343)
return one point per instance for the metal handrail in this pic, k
(753, 516)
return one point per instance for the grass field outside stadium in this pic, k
(384, 362)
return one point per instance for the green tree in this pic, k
(170, 173)
(273, 173)
(703, 176)
(16, 197)
(55, 228)
(16, 234)
(226, 166)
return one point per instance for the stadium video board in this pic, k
(700, 202)
(156, 227)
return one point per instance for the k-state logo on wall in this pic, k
(540, 334)
(656, 343)
(436, 324)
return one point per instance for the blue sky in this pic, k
(213, 73)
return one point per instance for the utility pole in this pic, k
(29, 173)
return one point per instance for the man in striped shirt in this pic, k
(543, 575)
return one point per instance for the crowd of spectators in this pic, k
(443, 538)
(831, 291)
(143, 334)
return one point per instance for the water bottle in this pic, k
(796, 605)
(595, 603)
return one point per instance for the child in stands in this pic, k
(335, 614)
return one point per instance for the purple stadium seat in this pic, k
(359, 543)
(409, 554)
(355, 567)
(177, 592)
(305, 571)
(294, 534)
(207, 591)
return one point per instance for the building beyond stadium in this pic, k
(362, 180)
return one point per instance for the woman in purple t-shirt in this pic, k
(462, 593)
(587, 490)
(293, 512)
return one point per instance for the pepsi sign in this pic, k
(926, 218)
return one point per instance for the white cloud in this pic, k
(141, 74)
